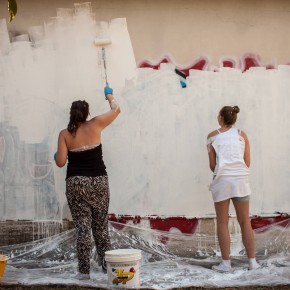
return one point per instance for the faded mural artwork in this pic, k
(243, 63)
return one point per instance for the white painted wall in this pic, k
(155, 151)
(166, 128)
(38, 82)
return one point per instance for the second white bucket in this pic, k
(123, 267)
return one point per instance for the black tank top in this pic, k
(86, 163)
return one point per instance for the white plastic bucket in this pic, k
(123, 266)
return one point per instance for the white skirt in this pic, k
(224, 187)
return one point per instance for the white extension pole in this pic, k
(103, 42)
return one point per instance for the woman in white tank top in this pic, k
(229, 160)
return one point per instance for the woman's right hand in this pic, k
(107, 91)
(106, 119)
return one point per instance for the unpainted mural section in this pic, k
(183, 29)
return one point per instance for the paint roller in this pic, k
(102, 42)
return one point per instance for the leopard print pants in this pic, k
(88, 200)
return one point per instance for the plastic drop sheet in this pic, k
(169, 260)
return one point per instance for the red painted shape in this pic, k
(118, 221)
(261, 223)
(149, 64)
(189, 225)
(186, 226)
(122, 220)
(247, 61)
(199, 64)
(228, 63)
(250, 60)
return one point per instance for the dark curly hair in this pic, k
(229, 114)
(79, 112)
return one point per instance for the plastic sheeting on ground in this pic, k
(169, 260)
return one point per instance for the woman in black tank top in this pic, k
(87, 187)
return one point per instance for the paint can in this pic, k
(123, 267)
(3, 262)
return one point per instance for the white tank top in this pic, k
(229, 147)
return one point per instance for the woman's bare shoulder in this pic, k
(212, 134)
(65, 135)
(63, 132)
(93, 121)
